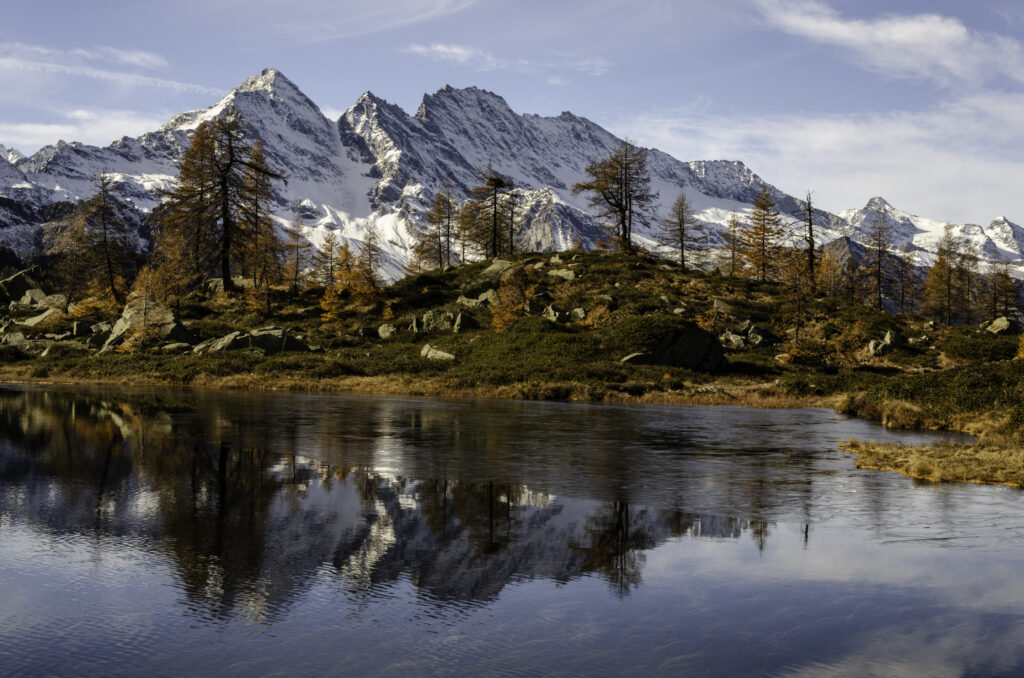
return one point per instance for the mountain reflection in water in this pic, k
(206, 533)
(240, 511)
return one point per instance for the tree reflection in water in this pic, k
(250, 508)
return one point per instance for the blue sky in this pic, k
(920, 102)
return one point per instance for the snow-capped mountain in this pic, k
(1002, 239)
(378, 165)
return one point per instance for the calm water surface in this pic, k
(199, 533)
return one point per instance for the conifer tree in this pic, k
(905, 280)
(339, 292)
(732, 239)
(810, 252)
(680, 232)
(940, 281)
(877, 264)
(206, 207)
(433, 248)
(762, 238)
(96, 250)
(619, 187)
(490, 197)
(368, 285)
(296, 246)
(326, 259)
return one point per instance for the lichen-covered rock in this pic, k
(431, 353)
(268, 340)
(563, 273)
(143, 313)
(438, 320)
(386, 331)
(1002, 325)
(554, 315)
(46, 316)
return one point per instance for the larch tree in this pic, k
(877, 259)
(810, 252)
(762, 238)
(325, 259)
(619, 189)
(207, 205)
(490, 197)
(96, 250)
(906, 285)
(296, 245)
(940, 282)
(732, 239)
(680, 232)
(433, 248)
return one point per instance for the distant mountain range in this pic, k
(379, 165)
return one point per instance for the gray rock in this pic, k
(745, 327)
(555, 259)
(894, 339)
(490, 297)
(15, 287)
(732, 341)
(690, 347)
(57, 301)
(563, 273)
(606, 299)
(554, 315)
(465, 322)
(1003, 325)
(665, 300)
(723, 307)
(679, 311)
(494, 272)
(578, 314)
(386, 331)
(878, 348)
(268, 340)
(143, 312)
(414, 326)
(65, 348)
(14, 339)
(468, 303)
(33, 297)
(176, 347)
(438, 320)
(57, 337)
(431, 353)
(44, 317)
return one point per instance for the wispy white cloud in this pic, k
(98, 63)
(313, 21)
(90, 126)
(925, 46)
(481, 60)
(955, 162)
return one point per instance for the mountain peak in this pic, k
(11, 155)
(268, 80)
(878, 202)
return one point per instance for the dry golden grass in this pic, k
(994, 461)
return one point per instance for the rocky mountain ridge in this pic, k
(378, 165)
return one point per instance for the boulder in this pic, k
(465, 322)
(1002, 325)
(15, 287)
(268, 340)
(490, 297)
(894, 339)
(57, 301)
(438, 320)
(732, 341)
(554, 315)
(13, 339)
(690, 347)
(468, 303)
(578, 314)
(607, 300)
(386, 331)
(431, 353)
(878, 348)
(176, 347)
(723, 307)
(33, 297)
(494, 272)
(44, 317)
(756, 336)
(414, 326)
(143, 312)
(65, 348)
(563, 273)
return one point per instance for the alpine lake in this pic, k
(204, 533)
